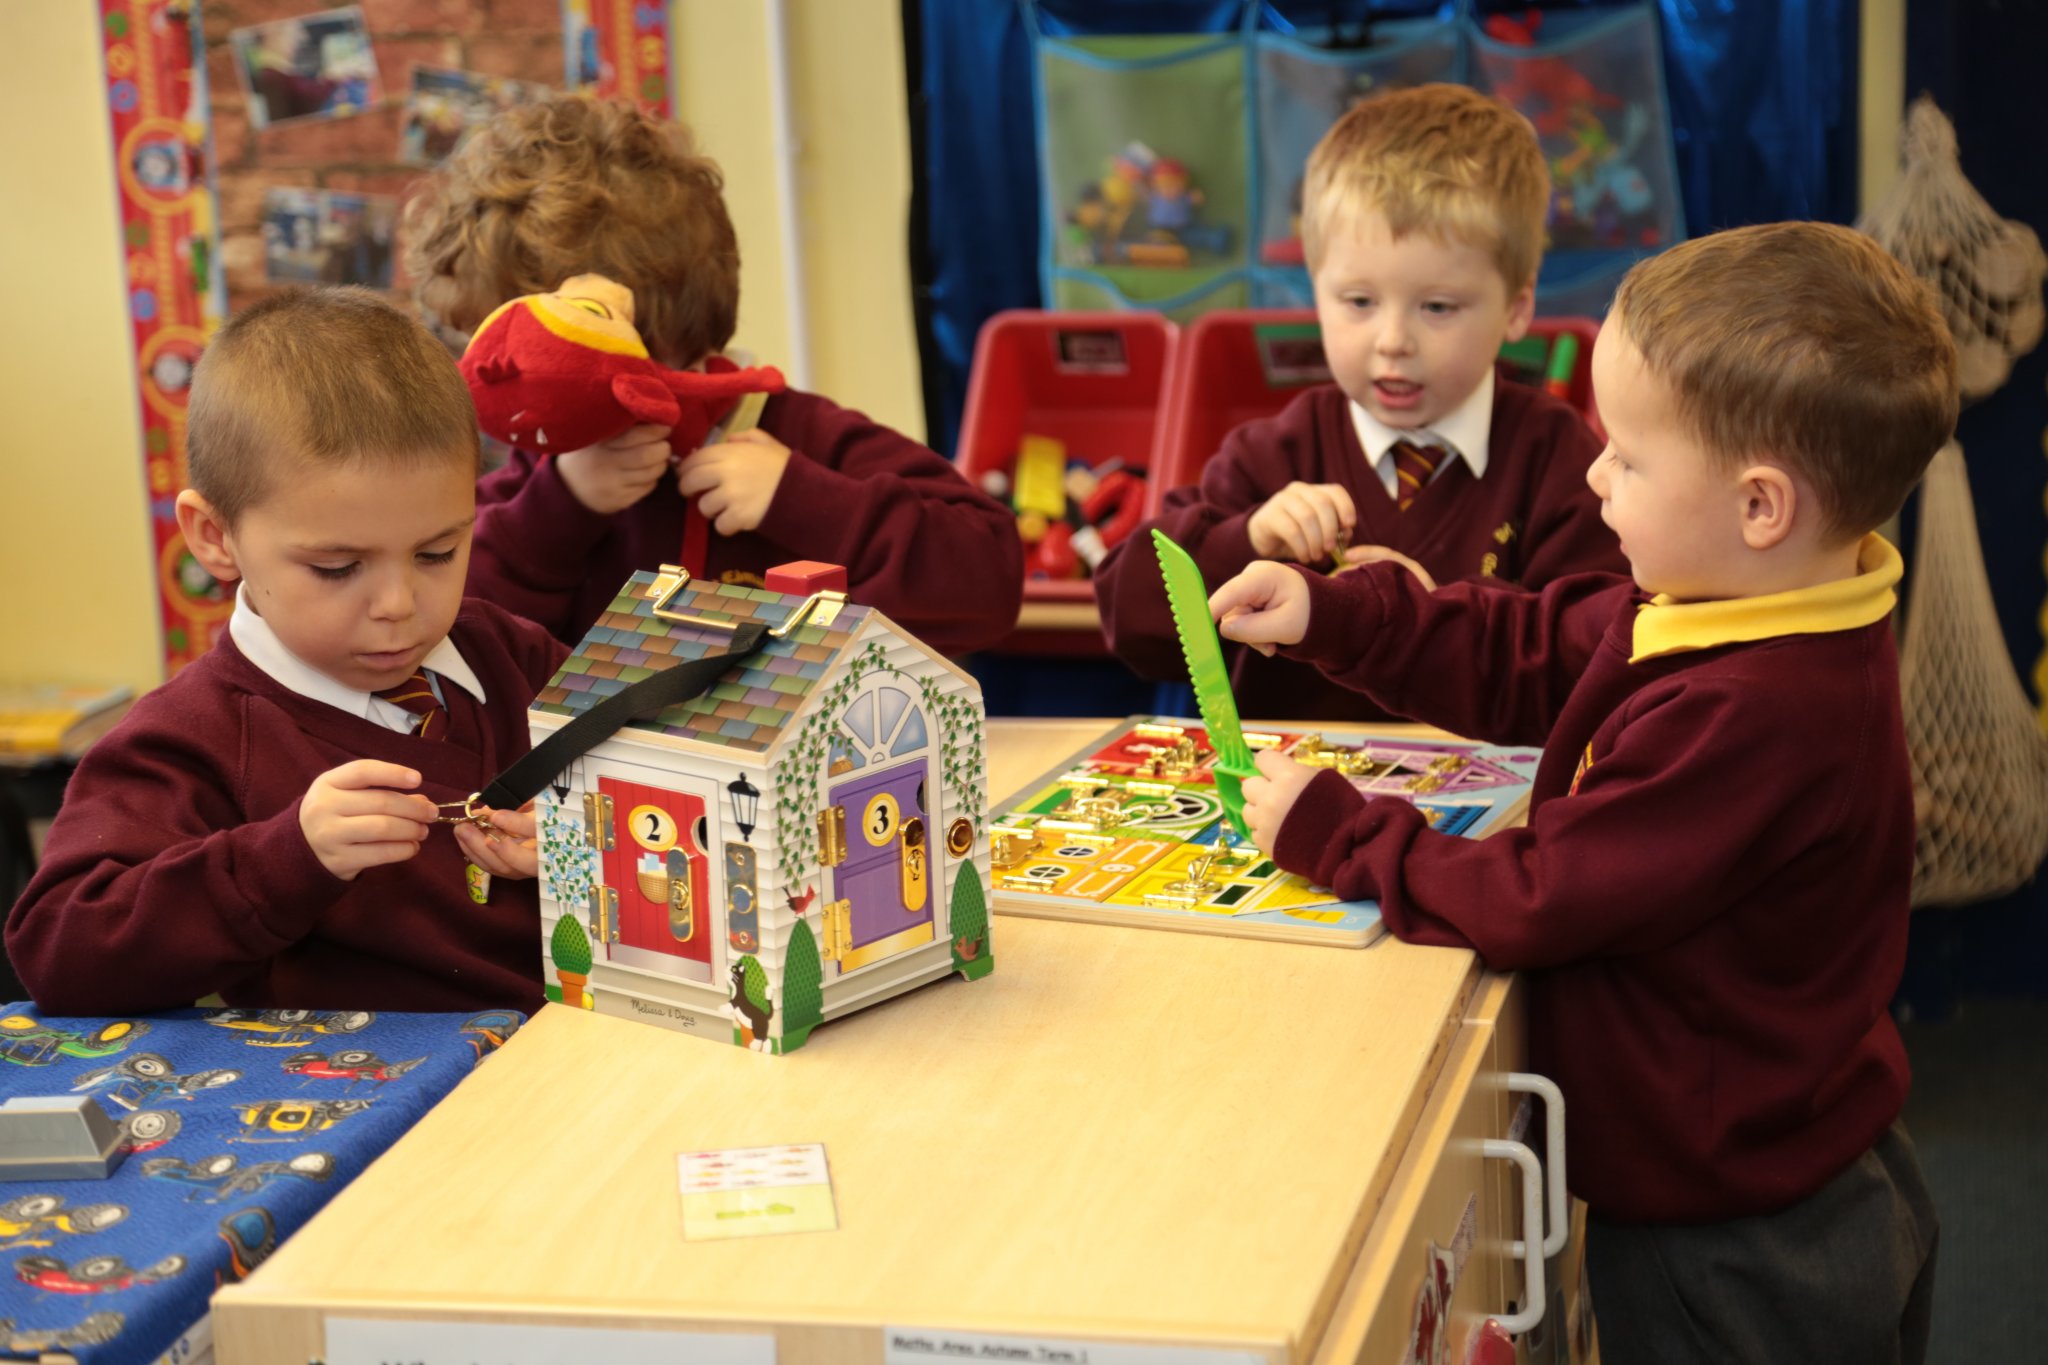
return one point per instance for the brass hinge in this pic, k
(604, 914)
(832, 836)
(597, 821)
(838, 928)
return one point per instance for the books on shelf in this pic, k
(56, 720)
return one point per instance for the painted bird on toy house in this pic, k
(798, 831)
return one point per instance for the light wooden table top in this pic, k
(1119, 1135)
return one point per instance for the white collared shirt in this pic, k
(260, 645)
(1463, 431)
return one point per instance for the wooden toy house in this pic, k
(806, 838)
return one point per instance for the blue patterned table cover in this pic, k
(240, 1124)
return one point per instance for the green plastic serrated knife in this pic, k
(1199, 644)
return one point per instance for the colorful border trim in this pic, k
(170, 238)
(620, 50)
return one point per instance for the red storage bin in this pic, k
(1244, 363)
(1093, 381)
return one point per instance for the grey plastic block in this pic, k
(57, 1137)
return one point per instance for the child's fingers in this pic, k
(644, 434)
(516, 824)
(382, 829)
(380, 801)
(1327, 520)
(365, 773)
(700, 471)
(1246, 591)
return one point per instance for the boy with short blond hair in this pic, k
(572, 186)
(264, 825)
(1422, 221)
(1710, 895)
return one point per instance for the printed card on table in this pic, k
(756, 1191)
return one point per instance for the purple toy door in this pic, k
(885, 876)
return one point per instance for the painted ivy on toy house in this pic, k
(796, 774)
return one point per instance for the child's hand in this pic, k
(1380, 554)
(509, 850)
(1305, 522)
(734, 480)
(1269, 796)
(615, 474)
(352, 819)
(1265, 606)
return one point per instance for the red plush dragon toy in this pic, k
(558, 372)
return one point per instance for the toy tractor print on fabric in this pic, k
(805, 838)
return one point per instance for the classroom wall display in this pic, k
(1171, 164)
(442, 106)
(306, 66)
(327, 237)
(275, 145)
(157, 99)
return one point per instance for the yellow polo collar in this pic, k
(1666, 627)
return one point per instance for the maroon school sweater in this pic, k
(1531, 519)
(176, 866)
(1710, 896)
(919, 543)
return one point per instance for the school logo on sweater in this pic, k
(1585, 762)
(1489, 563)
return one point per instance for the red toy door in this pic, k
(657, 865)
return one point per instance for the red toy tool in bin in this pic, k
(1239, 364)
(1079, 391)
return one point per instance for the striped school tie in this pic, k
(416, 695)
(1413, 466)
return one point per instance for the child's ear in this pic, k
(206, 536)
(1521, 312)
(1770, 503)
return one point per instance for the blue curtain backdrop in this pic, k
(1763, 109)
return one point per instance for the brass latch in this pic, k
(597, 821)
(915, 890)
(682, 910)
(820, 608)
(832, 836)
(838, 929)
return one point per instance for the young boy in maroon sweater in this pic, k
(1710, 895)
(264, 824)
(572, 186)
(1423, 227)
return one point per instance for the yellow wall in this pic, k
(76, 602)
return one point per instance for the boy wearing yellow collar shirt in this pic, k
(1710, 895)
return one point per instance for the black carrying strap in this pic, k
(521, 782)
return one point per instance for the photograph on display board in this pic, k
(442, 105)
(323, 237)
(313, 66)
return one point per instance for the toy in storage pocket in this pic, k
(1062, 411)
(1305, 85)
(1592, 85)
(1238, 366)
(1144, 158)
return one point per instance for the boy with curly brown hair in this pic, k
(571, 186)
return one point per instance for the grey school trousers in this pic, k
(1845, 1277)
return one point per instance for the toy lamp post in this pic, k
(746, 804)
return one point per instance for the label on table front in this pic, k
(921, 1345)
(388, 1341)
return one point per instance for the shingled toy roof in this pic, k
(748, 706)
